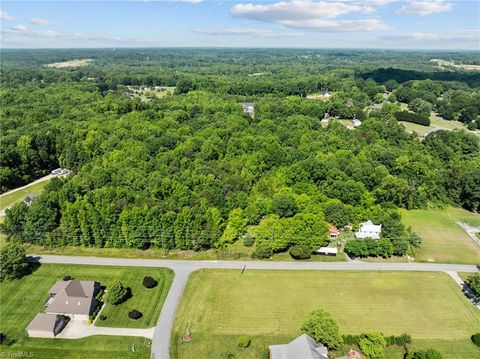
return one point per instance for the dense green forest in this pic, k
(191, 170)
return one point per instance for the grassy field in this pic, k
(443, 239)
(10, 198)
(22, 299)
(269, 306)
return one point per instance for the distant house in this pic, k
(369, 230)
(248, 107)
(325, 94)
(303, 347)
(129, 95)
(74, 298)
(356, 122)
(327, 251)
(46, 325)
(28, 200)
(158, 88)
(334, 231)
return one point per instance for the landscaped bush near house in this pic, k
(67, 278)
(117, 293)
(149, 282)
(243, 342)
(373, 345)
(262, 251)
(391, 340)
(476, 339)
(412, 117)
(135, 314)
(322, 327)
(248, 240)
(300, 252)
(3, 338)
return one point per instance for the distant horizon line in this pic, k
(239, 47)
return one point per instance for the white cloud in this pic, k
(425, 7)
(85, 38)
(39, 21)
(446, 37)
(19, 28)
(44, 33)
(310, 15)
(5, 16)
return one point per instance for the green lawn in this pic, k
(9, 199)
(218, 306)
(443, 240)
(22, 299)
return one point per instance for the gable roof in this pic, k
(72, 297)
(44, 321)
(303, 347)
(368, 226)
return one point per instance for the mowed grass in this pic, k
(8, 199)
(21, 300)
(443, 239)
(219, 306)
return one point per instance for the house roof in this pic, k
(332, 228)
(72, 297)
(327, 250)
(368, 226)
(44, 321)
(303, 347)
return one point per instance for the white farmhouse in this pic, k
(369, 230)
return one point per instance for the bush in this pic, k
(322, 327)
(262, 251)
(373, 345)
(135, 314)
(413, 118)
(369, 248)
(103, 317)
(226, 355)
(117, 293)
(427, 354)
(243, 342)
(149, 282)
(476, 339)
(473, 283)
(300, 251)
(3, 338)
(67, 278)
(248, 240)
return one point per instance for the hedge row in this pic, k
(391, 340)
(413, 118)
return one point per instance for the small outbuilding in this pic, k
(334, 232)
(46, 325)
(248, 107)
(327, 251)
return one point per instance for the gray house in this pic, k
(46, 325)
(75, 298)
(304, 347)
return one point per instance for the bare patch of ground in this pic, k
(71, 63)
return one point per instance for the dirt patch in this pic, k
(70, 63)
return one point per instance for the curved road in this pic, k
(183, 268)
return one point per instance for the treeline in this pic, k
(412, 117)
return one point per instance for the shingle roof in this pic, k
(43, 321)
(72, 297)
(303, 347)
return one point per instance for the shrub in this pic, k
(413, 118)
(262, 251)
(135, 314)
(149, 282)
(300, 251)
(369, 248)
(103, 317)
(3, 338)
(322, 327)
(243, 342)
(473, 283)
(373, 345)
(426, 354)
(476, 339)
(117, 293)
(248, 240)
(67, 278)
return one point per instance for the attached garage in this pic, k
(46, 325)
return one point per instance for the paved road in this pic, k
(183, 268)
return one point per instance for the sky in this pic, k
(384, 24)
